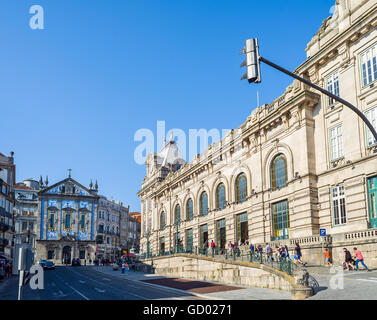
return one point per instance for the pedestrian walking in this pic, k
(213, 246)
(297, 256)
(359, 258)
(206, 247)
(327, 257)
(347, 259)
(268, 251)
(277, 254)
(251, 247)
(286, 252)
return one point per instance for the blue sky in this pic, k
(74, 94)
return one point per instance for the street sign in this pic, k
(23, 258)
(322, 232)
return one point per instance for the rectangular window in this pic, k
(332, 84)
(280, 220)
(24, 226)
(369, 65)
(372, 117)
(189, 240)
(338, 205)
(336, 142)
(372, 199)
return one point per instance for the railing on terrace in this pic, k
(283, 264)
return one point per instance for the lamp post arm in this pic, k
(329, 94)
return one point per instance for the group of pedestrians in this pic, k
(280, 253)
(350, 261)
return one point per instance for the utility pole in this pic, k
(253, 75)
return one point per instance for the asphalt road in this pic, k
(84, 283)
(346, 285)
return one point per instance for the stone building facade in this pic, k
(297, 165)
(7, 204)
(108, 229)
(26, 211)
(67, 222)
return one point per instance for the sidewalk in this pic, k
(204, 289)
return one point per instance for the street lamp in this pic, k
(253, 75)
(148, 245)
(177, 222)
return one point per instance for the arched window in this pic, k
(189, 210)
(203, 204)
(162, 221)
(279, 172)
(220, 196)
(241, 188)
(177, 214)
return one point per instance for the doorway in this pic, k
(221, 234)
(66, 255)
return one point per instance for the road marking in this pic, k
(367, 280)
(78, 292)
(99, 290)
(136, 295)
(82, 281)
(106, 279)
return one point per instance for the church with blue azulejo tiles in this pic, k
(66, 228)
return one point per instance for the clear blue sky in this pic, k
(73, 95)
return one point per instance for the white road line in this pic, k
(86, 298)
(136, 295)
(81, 281)
(106, 279)
(99, 290)
(367, 280)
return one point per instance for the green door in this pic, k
(372, 199)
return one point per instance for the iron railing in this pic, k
(284, 264)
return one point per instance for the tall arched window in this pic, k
(162, 221)
(189, 210)
(177, 214)
(203, 204)
(279, 172)
(220, 196)
(241, 188)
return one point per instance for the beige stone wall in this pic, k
(241, 273)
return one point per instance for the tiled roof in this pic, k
(22, 186)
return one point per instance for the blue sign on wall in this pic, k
(322, 232)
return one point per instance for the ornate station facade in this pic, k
(297, 165)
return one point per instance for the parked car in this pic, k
(47, 265)
(76, 262)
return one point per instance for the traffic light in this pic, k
(251, 63)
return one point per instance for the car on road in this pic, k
(47, 265)
(76, 262)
